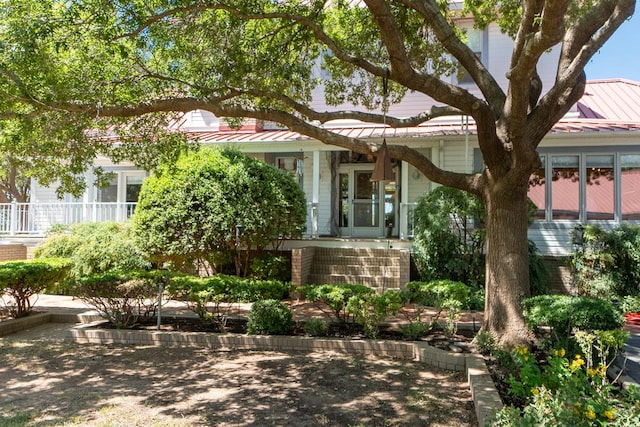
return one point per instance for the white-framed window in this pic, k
(477, 42)
(587, 186)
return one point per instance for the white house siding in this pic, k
(455, 158)
(324, 197)
(418, 183)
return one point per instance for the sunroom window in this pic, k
(586, 186)
(565, 187)
(600, 188)
(630, 186)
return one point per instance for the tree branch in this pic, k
(443, 31)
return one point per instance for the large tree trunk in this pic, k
(507, 262)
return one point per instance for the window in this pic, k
(587, 186)
(600, 189)
(109, 194)
(476, 42)
(538, 189)
(630, 186)
(565, 187)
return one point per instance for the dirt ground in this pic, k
(46, 381)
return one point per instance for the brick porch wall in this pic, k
(12, 252)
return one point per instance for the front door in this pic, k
(366, 208)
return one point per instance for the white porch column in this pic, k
(404, 207)
(315, 194)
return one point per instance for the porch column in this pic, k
(315, 194)
(404, 206)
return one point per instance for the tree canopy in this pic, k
(78, 70)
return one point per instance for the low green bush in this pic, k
(563, 312)
(271, 267)
(630, 304)
(94, 248)
(567, 390)
(435, 292)
(415, 330)
(269, 317)
(249, 290)
(335, 297)
(443, 295)
(20, 280)
(123, 298)
(316, 327)
(369, 309)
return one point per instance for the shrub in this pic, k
(189, 213)
(566, 390)
(630, 304)
(449, 236)
(443, 295)
(434, 293)
(273, 267)
(94, 248)
(449, 240)
(20, 280)
(269, 317)
(369, 309)
(123, 298)
(415, 330)
(335, 297)
(562, 312)
(607, 265)
(316, 327)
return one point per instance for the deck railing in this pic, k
(36, 218)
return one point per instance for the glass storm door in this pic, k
(361, 206)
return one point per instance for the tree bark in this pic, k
(507, 266)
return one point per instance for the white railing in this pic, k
(37, 218)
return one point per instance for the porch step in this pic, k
(380, 269)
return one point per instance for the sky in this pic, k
(620, 56)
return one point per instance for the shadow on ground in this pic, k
(50, 382)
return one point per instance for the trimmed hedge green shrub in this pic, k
(415, 330)
(370, 309)
(212, 297)
(123, 298)
(316, 327)
(335, 297)
(434, 293)
(94, 248)
(188, 212)
(563, 312)
(20, 280)
(269, 317)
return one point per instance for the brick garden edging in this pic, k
(485, 396)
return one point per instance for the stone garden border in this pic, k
(485, 396)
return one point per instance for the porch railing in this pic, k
(36, 218)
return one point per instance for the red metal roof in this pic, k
(607, 106)
(611, 99)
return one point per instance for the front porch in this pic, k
(36, 219)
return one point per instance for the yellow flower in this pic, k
(590, 414)
(609, 414)
(577, 363)
(535, 391)
(559, 353)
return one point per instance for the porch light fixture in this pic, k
(383, 170)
